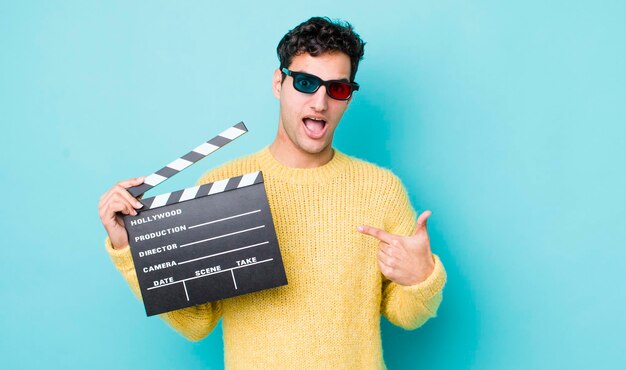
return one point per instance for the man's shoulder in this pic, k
(370, 172)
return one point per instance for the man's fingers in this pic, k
(129, 198)
(131, 182)
(421, 220)
(394, 249)
(121, 206)
(385, 269)
(385, 258)
(105, 197)
(376, 233)
(109, 215)
(119, 190)
(121, 195)
(385, 249)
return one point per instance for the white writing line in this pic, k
(232, 273)
(218, 272)
(186, 295)
(217, 254)
(226, 218)
(221, 236)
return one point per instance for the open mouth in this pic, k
(314, 127)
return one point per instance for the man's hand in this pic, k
(115, 201)
(406, 260)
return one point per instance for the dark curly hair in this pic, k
(320, 35)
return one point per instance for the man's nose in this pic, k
(319, 100)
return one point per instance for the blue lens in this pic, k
(306, 84)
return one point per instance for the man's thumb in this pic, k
(422, 220)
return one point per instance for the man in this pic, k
(351, 245)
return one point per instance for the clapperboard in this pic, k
(204, 243)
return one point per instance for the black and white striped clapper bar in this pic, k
(204, 243)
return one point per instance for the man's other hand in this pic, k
(113, 204)
(406, 260)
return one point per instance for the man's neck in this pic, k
(287, 154)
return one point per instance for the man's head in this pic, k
(330, 51)
(318, 36)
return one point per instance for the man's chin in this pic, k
(315, 149)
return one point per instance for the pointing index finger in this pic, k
(379, 234)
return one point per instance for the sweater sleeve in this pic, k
(409, 306)
(194, 323)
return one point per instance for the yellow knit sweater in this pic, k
(328, 316)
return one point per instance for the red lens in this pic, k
(339, 90)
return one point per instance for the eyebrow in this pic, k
(346, 80)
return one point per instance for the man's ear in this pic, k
(277, 83)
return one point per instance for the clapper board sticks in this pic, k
(203, 243)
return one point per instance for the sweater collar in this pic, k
(322, 174)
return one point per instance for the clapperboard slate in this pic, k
(203, 243)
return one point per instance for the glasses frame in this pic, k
(353, 85)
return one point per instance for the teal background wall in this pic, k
(506, 119)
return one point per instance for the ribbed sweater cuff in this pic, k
(122, 259)
(432, 285)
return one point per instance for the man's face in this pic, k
(308, 121)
